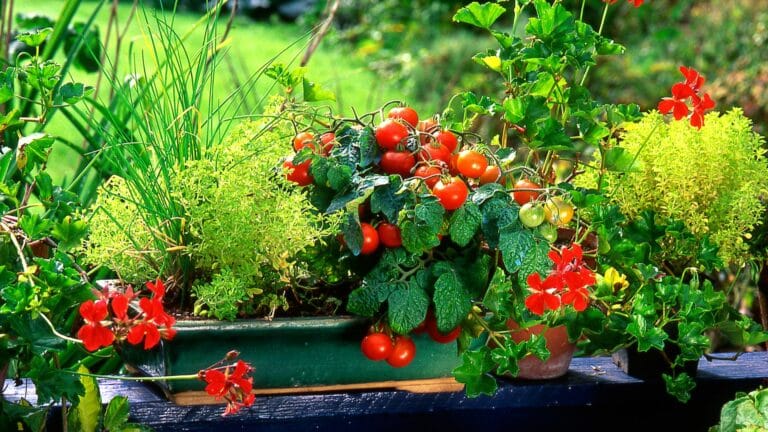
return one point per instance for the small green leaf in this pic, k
(452, 302)
(34, 226)
(515, 246)
(479, 15)
(33, 150)
(7, 78)
(352, 232)
(498, 296)
(314, 92)
(69, 233)
(618, 159)
(87, 408)
(388, 200)
(465, 222)
(679, 386)
(35, 37)
(648, 336)
(407, 308)
(474, 373)
(116, 414)
(73, 93)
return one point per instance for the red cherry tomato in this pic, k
(425, 127)
(390, 133)
(406, 114)
(452, 165)
(370, 239)
(524, 196)
(389, 235)
(492, 174)
(397, 162)
(327, 140)
(436, 334)
(377, 346)
(402, 353)
(471, 163)
(429, 172)
(304, 139)
(451, 194)
(448, 139)
(435, 152)
(299, 174)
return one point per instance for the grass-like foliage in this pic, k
(710, 179)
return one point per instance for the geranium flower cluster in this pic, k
(682, 93)
(150, 324)
(566, 284)
(232, 383)
(637, 3)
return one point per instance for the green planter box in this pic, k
(297, 352)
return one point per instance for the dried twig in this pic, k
(321, 31)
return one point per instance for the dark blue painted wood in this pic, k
(594, 395)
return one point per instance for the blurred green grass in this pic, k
(253, 43)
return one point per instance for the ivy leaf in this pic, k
(474, 373)
(69, 233)
(34, 37)
(679, 386)
(464, 223)
(314, 92)
(607, 46)
(508, 356)
(479, 15)
(537, 346)
(87, 409)
(515, 246)
(648, 336)
(452, 302)
(116, 414)
(407, 308)
(498, 296)
(73, 93)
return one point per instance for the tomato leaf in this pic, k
(387, 200)
(34, 37)
(515, 246)
(420, 232)
(479, 15)
(353, 234)
(536, 260)
(474, 373)
(72, 93)
(366, 300)
(366, 141)
(465, 222)
(452, 302)
(407, 308)
(498, 296)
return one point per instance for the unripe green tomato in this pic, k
(532, 214)
(549, 232)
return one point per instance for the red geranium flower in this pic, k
(236, 387)
(684, 91)
(637, 3)
(544, 294)
(93, 334)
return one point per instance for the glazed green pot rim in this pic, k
(276, 323)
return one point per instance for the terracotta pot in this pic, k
(560, 349)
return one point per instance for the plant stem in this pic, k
(56, 332)
(599, 32)
(141, 379)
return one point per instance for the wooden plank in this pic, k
(594, 396)
(413, 386)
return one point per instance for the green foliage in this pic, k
(242, 220)
(746, 412)
(711, 180)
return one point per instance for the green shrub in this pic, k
(246, 222)
(709, 179)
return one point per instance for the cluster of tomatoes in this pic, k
(400, 351)
(299, 173)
